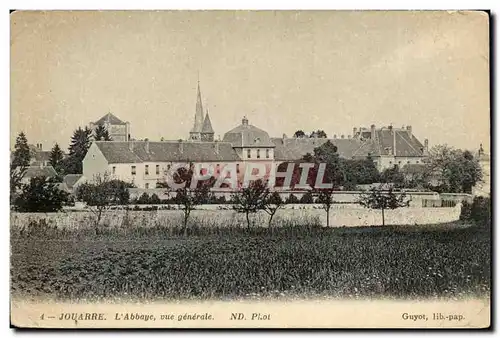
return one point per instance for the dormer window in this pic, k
(257, 140)
(248, 153)
(258, 153)
(267, 153)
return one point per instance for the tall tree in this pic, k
(318, 134)
(299, 134)
(80, 143)
(393, 175)
(41, 195)
(103, 193)
(56, 157)
(456, 170)
(101, 133)
(22, 154)
(361, 171)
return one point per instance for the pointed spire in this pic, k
(207, 125)
(198, 117)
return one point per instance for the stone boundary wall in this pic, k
(209, 215)
(416, 198)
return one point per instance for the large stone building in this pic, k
(145, 163)
(387, 146)
(118, 130)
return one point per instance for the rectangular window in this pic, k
(147, 185)
(133, 170)
(237, 168)
(157, 169)
(146, 169)
(418, 162)
(248, 153)
(267, 153)
(218, 168)
(114, 170)
(258, 153)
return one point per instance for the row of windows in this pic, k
(217, 169)
(249, 153)
(408, 162)
(146, 169)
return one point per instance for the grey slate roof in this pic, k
(36, 171)
(167, 151)
(43, 155)
(247, 135)
(405, 145)
(290, 149)
(71, 179)
(109, 118)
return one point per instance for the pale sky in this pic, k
(284, 70)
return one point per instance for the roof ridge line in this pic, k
(409, 144)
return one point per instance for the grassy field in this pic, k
(399, 262)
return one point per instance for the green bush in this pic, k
(479, 211)
(307, 198)
(144, 199)
(292, 199)
(154, 199)
(41, 195)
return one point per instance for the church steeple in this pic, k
(195, 133)
(207, 132)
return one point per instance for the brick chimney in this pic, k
(372, 129)
(181, 146)
(409, 130)
(393, 141)
(146, 145)
(131, 145)
(354, 130)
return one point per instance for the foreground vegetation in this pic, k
(293, 260)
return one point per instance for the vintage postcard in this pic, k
(250, 169)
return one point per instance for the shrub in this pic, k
(307, 198)
(154, 199)
(479, 211)
(144, 199)
(292, 199)
(41, 195)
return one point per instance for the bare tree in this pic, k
(272, 204)
(103, 193)
(383, 198)
(325, 197)
(251, 199)
(187, 199)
